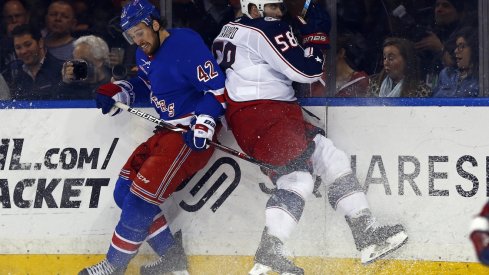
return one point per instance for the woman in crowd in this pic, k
(400, 76)
(349, 81)
(461, 79)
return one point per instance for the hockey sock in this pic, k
(283, 212)
(160, 237)
(352, 205)
(134, 223)
(356, 205)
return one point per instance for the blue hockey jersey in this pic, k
(182, 76)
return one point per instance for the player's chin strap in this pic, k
(174, 128)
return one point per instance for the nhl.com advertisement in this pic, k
(420, 166)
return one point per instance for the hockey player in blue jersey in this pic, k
(262, 57)
(185, 86)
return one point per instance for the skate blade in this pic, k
(375, 252)
(259, 269)
(180, 272)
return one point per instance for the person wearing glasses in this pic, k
(462, 78)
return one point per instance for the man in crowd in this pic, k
(261, 58)
(40, 73)
(60, 22)
(187, 89)
(14, 13)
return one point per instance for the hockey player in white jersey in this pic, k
(261, 58)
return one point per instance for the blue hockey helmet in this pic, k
(136, 12)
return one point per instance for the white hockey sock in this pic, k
(279, 223)
(352, 205)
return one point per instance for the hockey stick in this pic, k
(305, 8)
(174, 128)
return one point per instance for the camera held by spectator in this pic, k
(77, 70)
(414, 31)
(87, 70)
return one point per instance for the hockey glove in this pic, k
(202, 130)
(315, 28)
(109, 93)
(479, 235)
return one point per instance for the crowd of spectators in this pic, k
(407, 48)
(384, 48)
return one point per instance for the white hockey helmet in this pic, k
(260, 4)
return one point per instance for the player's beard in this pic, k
(149, 48)
(154, 45)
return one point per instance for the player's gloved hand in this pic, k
(202, 130)
(108, 94)
(479, 235)
(315, 27)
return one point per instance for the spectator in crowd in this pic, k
(60, 22)
(461, 80)
(4, 90)
(449, 15)
(14, 13)
(376, 21)
(39, 75)
(349, 81)
(93, 53)
(400, 75)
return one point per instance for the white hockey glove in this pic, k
(202, 130)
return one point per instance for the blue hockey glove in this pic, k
(108, 94)
(315, 28)
(202, 130)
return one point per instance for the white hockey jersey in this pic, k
(262, 57)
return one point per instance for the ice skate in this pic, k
(269, 257)
(102, 268)
(374, 241)
(173, 262)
